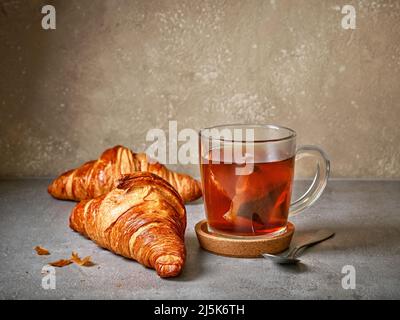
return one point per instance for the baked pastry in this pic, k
(97, 177)
(142, 218)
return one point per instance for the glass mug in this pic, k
(247, 177)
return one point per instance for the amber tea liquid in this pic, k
(247, 205)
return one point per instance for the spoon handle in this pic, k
(318, 237)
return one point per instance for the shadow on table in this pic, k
(292, 268)
(195, 256)
(348, 239)
(193, 266)
(352, 238)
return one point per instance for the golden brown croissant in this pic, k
(97, 177)
(143, 218)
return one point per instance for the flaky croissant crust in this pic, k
(97, 177)
(142, 218)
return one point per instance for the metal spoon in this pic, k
(290, 257)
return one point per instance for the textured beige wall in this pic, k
(114, 69)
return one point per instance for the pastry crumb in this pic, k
(60, 263)
(85, 262)
(41, 251)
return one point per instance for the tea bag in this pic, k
(254, 202)
(217, 185)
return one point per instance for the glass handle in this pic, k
(319, 182)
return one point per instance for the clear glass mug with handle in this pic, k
(247, 174)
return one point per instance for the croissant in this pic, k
(97, 177)
(143, 218)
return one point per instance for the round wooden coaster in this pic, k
(243, 248)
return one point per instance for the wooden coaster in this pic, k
(242, 248)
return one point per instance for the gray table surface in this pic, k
(364, 214)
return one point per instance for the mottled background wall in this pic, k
(114, 69)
